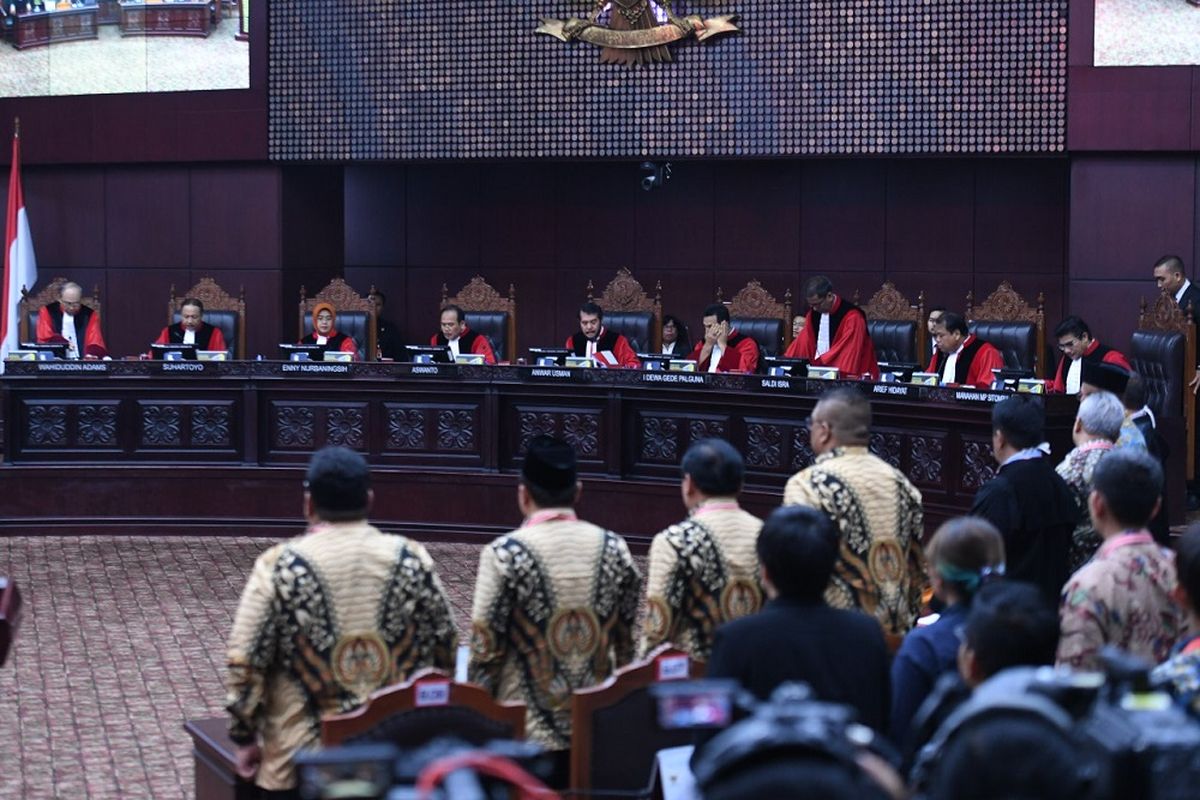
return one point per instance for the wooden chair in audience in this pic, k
(355, 314)
(31, 304)
(1015, 328)
(896, 326)
(221, 310)
(630, 311)
(428, 705)
(755, 313)
(614, 726)
(1163, 352)
(490, 313)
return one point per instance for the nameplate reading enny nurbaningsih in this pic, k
(314, 368)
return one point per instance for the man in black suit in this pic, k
(1170, 277)
(797, 637)
(1027, 501)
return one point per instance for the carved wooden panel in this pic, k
(96, 424)
(888, 446)
(212, 425)
(46, 425)
(927, 454)
(161, 424)
(456, 429)
(345, 426)
(581, 428)
(292, 426)
(659, 439)
(978, 464)
(764, 444)
(802, 452)
(405, 428)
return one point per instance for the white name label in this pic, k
(72, 366)
(673, 668)
(671, 377)
(305, 366)
(432, 693)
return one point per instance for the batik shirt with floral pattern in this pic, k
(1181, 674)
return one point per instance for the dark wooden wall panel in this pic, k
(594, 207)
(234, 217)
(514, 230)
(756, 215)
(1020, 214)
(675, 224)
(135, 306)
(843, 215)
(66, 215)
(146, 217)
(930, 216)
(442, 215)
(376, 234)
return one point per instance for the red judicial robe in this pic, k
(208, 337)
(87, 327)
(469, 342)
(335, 341)
(1095, 352)
(850, 347)
(976, 360)
(740, 355)
(617, 344)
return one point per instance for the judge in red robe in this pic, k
(834, 333)
(961, 357)
(593, 338)
(459, 338)
(192, 329)
(733, 351)
(326, 335)
(1077, 346)
(69, 322)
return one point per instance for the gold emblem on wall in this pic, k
(638, 31)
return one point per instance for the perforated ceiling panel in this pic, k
(408, 80)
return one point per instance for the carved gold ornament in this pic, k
(638, 31)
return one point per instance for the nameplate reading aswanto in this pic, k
(72, 366)
(320, 369)
(425, 370)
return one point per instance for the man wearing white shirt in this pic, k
(192, 329)
(68, 321)
(459, 338)
(1170, 277)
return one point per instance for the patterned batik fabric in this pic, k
(1121, 597)
(1181, 674)
(554, 611)
(702, 573)
(324, 620)
(1076, 469)
(880, 569)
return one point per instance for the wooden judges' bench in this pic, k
(194, 447)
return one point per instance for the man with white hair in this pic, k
(1097, 426)
(68, 321)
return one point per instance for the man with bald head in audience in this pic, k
(68, 321)
(877, 510)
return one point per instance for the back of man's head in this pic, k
(1134, 398)
(715, 467)
(1101, 414)
(1130, 481)
(339, 483)
(549, 472)
(798, 546)
(1187, 565)
(848, 412)
(1010, 624)
(1021, 419)
(1007, 757)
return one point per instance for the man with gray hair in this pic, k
(1097, 426)
(68, 321)
(876, 509)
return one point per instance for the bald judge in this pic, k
(834, 333)
(68, 321)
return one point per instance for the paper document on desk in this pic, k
(605, 358)
(674, 773)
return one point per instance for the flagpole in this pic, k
(20, 266)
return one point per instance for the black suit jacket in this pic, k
(840, 654)
(1192, 296)
(1035, 512)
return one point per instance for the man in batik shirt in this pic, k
(703, 571)
(877, 510)
(555, 600)
(326, 619)
(1124, 595)
(1181, 672)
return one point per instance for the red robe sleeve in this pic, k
(851, 350)
(569, 344)
(45, 328)
(93, 340)
(625, 355)
(805, 344)
(987, 359)
(483, 347)
(747, 351)
(216, 341)
(1115, 357)
(164, 337)
(1059, 384)
(933, 364)
(350, 346)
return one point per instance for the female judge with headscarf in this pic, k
(325, 333)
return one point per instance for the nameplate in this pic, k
(777, 384)
(72, 366)
(895, 390)
(183, 366)
(425, 369)
(314, 367)
(553, 373)
(980, 396)
(431, 693)
(673, 377)
(672, 668)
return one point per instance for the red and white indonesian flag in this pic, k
(20, 268)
